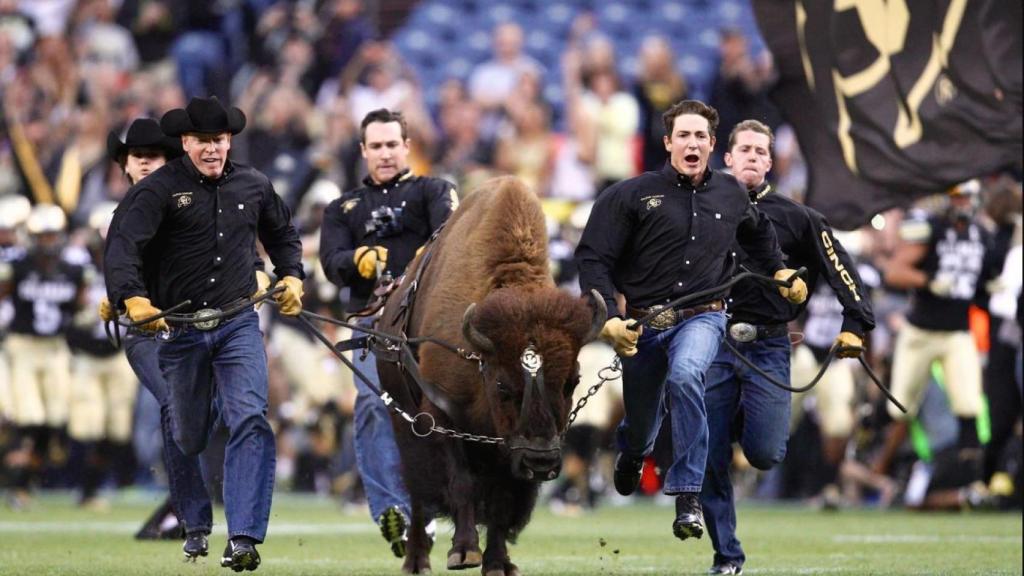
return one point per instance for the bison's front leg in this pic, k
(465, 551)
(496, 560)
(417, 555)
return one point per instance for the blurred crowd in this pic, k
(306, 72)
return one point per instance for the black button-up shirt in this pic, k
(656, 237)
(420, 205)
(201, 234)
(806, 239)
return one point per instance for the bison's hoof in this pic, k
(416, 564)
(505, 569)
(460, 559)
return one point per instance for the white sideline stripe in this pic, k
(917, 538)
(280, 529)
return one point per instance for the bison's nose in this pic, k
(542, 465)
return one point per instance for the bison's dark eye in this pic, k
(504, 392)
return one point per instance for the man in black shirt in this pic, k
(190, 234)
(145, 150)
(654, 238)
(738, 397)
(369, 232)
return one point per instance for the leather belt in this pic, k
(196, 318)
(745, 332)
(672, 316)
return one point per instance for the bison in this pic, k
(486, 287)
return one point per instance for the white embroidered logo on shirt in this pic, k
(183, 199)
(652, 202)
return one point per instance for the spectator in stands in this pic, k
(152, 25)
(377, 77)
(200, 50)
(658, 85)
(616, 117)
(463, 154)
(493, 81)
(740, 89)
(346, 31)
(528, 149)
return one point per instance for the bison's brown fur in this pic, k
(492, 253)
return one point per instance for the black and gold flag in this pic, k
(895, 99)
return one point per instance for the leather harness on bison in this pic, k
(485, 282)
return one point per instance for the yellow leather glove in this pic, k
(848, 339)
(262, 284)
(289, 301)
(107, 312)
(622, 339)
(420, 250)
(797, 293)
(140, 307)
(366, 258)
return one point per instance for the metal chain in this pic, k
(467, 436)
(610, 372)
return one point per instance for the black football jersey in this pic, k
(958, 257)
(44, 301)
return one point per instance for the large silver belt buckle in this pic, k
(201, 324)
(743, 332)
(665, 320)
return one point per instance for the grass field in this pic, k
(310, 536)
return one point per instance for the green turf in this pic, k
(314, 536)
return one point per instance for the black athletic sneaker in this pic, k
(240, 554)
(727, 567)
(627, 473)
(195, 546)
(689, 522)
(392, 526)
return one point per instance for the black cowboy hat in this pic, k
(205, 116)
(143, 133)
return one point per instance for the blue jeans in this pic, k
(376, 451)
(736, 391)
(189, 497)
(667, 373)
(226, 365)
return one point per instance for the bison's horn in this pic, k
(472, 335)
(600, 310)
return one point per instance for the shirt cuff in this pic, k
(853, 325)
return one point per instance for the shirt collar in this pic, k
(194, 172)
(672, 174)
(401, 176)
(760, 192)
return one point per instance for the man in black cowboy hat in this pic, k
(145, 149)
(195, 223)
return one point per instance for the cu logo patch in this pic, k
(651, 202)
(183, 199)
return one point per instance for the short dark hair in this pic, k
(690, 107)
(752, 126)
(384, 116)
